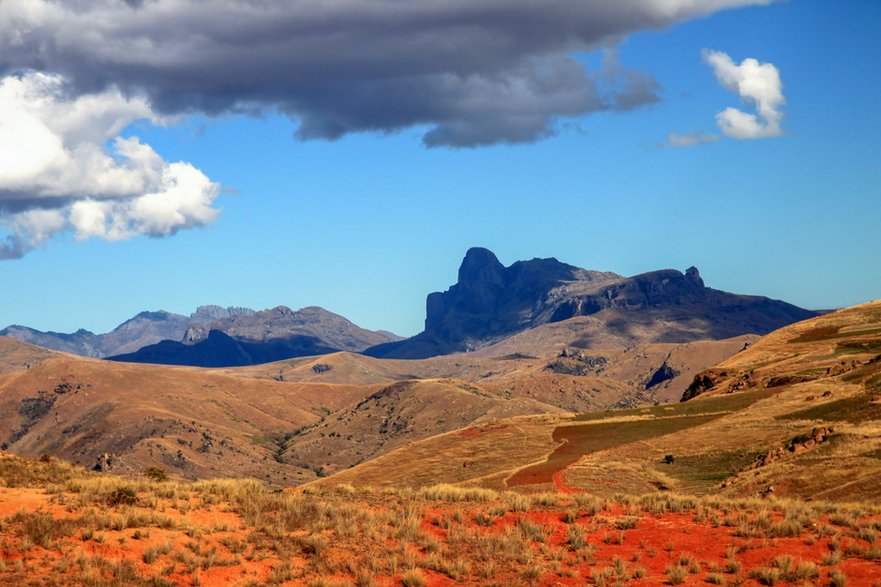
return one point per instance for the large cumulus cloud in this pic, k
(474, 71)
(75, 73)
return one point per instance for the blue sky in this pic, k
(368, 224)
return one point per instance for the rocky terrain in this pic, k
(491, 302)
(288, 420)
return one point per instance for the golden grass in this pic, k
(346, 536)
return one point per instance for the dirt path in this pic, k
(579, 440)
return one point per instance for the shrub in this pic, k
(766, 576)
(806, 570)
(122, 496)
(413, 578)
(576, 537)
(601, 576)
(676, 575)
(156, 474)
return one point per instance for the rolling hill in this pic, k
(291, 420)
(125, 417)
(795, 414)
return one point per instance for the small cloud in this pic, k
(756, 83)
(691, 139)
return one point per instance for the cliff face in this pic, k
(490, 302)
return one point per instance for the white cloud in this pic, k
(756, 83)
(57, 174)
(691, 139)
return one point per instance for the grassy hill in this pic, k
(19, 356)
(794, 414)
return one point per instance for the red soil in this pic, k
(652, 544)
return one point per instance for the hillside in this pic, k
(491, 302)
(397, 414)
(19, 356)
(539, 365)
(124, 417)
(796, 414)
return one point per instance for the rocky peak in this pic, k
(491, 301)
(209, 313)
(481, 268)
(694, 275)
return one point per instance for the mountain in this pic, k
(281, 323)
(251, 337)
(490, 302)
(218, 349)
(143, 329)
(288, 420)
(260, 337)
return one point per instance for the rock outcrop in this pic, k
(490, 302)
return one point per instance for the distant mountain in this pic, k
(311, 330)
(243, 338)
(491, 302)
(218, 349)
(282, 323)
(143, 329)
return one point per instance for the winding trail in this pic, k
(582, 439)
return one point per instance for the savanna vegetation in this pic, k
(61, 525)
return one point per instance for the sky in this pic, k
(160, 155)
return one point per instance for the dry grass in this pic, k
(167, 532)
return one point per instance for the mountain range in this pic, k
(542, 338)
(141, 330)
(489, 303)
(213, 336)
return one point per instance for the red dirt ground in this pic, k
(649, 547)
